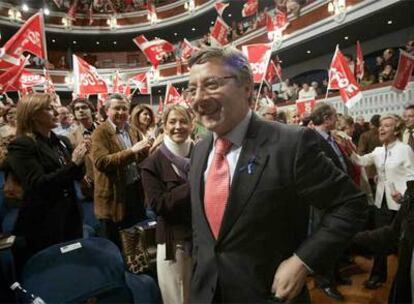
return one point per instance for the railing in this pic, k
(377, 100)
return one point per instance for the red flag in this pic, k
(141, 82)
(220, 7)
(160, 106)
(171, 95)
(305, 106)
(359, 67)
(404, 71)
(341, 78)
(281, 20)
(187, 49)
(219, 33)
(274, 69)
(28, 79)
(258, 56)
(10, 79)
(30, 38)
(49, 87)
(72, 10)
(250, 8)
(87, 80)
(155, 49)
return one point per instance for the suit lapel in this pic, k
(252, 161)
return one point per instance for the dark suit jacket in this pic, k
(169, 196)
(330, 153)
(50, 213)
(265, 220)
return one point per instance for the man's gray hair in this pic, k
(229, 56)
(116, 96)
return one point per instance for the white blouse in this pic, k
(395, 166)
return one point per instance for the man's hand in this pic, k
(289, 278)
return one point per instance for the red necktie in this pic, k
(217, 186)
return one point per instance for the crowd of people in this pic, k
(245, 209)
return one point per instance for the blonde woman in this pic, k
(46, 167)
(164, 177)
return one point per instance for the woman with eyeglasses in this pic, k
(164, 177)
(46, 167)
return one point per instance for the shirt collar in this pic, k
(323, 133)
(237, 134)
(118, 130)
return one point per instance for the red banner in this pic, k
(10, 79)
(359, 67)
(250, 8)
(220, 7)
(141, 82)
(305, 106)
(171, 95)
(28, 79)
(155, 49)
(187, 49)
(87, 80)
(219, 32)
(258, 56)
(404, 71)
(341, 78)
(29, 38)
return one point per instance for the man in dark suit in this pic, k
(250, 180)
(324, 118)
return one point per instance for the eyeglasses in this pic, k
(209, 85)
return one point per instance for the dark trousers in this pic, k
(134, 213)
(383, 217)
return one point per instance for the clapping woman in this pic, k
(164, 177)
(46, 168)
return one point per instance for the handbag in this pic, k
(139, 247)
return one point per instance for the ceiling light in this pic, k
(53, 40)
(212, 22)
(97, 42)
(346, 37)
(74, 42)
(175, 34)
(46, 11)
(193, 29)
(389, 22)
(229, 15)
(114, 42)
(25, 7)
(308, 52)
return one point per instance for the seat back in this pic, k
(83, 270)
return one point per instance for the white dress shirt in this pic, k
(395, 166)
(236, 137)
